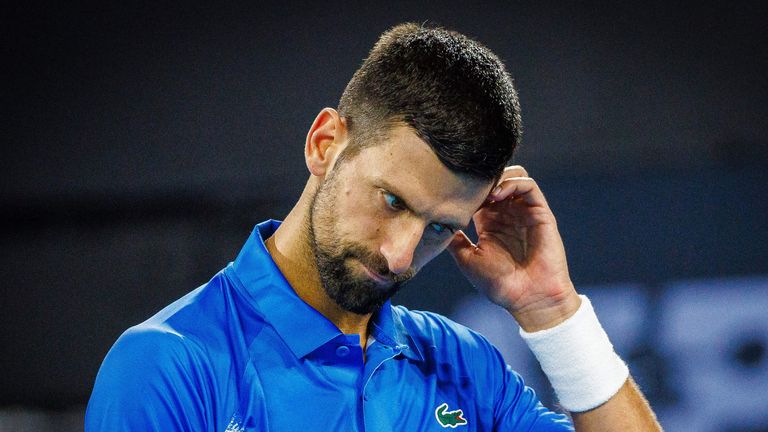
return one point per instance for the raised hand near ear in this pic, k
(519, 261)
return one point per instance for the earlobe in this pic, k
(326, 138)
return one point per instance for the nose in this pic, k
(400, 245)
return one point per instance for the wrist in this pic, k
(549, 312)
(579, 360)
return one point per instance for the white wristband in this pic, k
(579, 360)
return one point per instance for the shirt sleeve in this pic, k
(149, 381)
(519, 408)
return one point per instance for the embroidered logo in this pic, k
(235, 424)
(449, 419)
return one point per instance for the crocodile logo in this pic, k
(449, 419)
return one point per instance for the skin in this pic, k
(518, 261)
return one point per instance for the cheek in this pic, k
(359, 217)
(370, 223)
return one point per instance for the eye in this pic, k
(393, 202)
(440, 228)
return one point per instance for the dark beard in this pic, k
(351, 293)
(360, 296)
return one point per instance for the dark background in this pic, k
(141, 143)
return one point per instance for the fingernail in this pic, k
(496, 190)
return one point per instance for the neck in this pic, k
(290, 249)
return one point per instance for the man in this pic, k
(298, 332)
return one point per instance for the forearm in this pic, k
(592, 382)
(626, 411)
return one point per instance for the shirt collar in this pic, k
(387, 328)
(270, 292)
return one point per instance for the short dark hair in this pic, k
(453, 91)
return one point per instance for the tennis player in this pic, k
(298, 332)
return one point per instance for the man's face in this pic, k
(379, 216)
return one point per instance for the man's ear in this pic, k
(326, 139)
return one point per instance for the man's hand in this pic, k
(519, 263)
(519, 260)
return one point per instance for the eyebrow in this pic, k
(449, 223)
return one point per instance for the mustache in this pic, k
(378, 264)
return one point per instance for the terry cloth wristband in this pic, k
(579, 360)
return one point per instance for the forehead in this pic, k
(405, 163)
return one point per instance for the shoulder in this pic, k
(446, 338)
(428, 323)
(151, 376)
(201, 318)
(161, 352)
(151, 360)
(152, 346)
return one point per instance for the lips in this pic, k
(375, 276)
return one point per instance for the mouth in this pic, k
(375, 276)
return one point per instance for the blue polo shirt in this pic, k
(244, 353)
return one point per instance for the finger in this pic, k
(461, 247)
(509, 172)
(514, 171)
(519, 187)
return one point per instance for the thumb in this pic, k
(461, 247)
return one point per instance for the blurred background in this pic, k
(142, 142)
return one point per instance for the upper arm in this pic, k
(519, 408)
(150, 380)
(516, 406)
